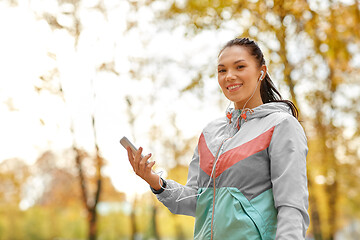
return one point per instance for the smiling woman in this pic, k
(239, 76)
(248, 63)
(247, 178)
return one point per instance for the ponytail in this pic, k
(269, 93)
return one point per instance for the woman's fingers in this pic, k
(138, 158)
(150, 165)
(140, 165)
(143, 165)
(144, 161)
(130, 156)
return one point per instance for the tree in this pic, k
(326, 38)
(13, 174)
(91, 192)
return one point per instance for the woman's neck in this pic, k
(251, 104)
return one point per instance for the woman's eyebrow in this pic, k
(240, 60)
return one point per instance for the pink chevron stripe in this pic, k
(229, 158)
(206, 158)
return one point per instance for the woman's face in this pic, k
(238, 75)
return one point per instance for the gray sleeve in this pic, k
(287, 151)
(180, 199)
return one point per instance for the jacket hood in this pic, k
(259, 111)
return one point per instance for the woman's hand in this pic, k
(142, 168)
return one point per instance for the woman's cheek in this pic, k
(221, 82)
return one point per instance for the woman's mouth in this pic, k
(234, 87)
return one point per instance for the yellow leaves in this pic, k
(196, 82)
(13, 174)
(179, 173)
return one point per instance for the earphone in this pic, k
(262, 74)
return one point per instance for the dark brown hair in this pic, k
(268, 91)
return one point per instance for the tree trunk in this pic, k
(314, 212)
(154, 231)
(92, 232)
(90, 207)
(288, 67)
(134, 229)
(179, 232)
(332, 189)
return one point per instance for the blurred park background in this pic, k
(77, 75)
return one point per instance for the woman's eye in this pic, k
(221, 70)
(241, 66)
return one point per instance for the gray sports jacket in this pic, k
(247, 178)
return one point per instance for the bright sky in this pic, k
(33, 122)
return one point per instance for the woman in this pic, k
(247, 178)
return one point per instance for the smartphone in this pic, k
(126, 143)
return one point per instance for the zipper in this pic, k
(214, 194)
(213, 208)
(214, 174)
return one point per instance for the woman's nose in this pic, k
(229, 76)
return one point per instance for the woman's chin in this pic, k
(235, 99)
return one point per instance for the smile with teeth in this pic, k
(232, 87)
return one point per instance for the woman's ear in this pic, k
(262, 72)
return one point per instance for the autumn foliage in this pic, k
(312, 51)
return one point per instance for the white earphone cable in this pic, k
(212, 172)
